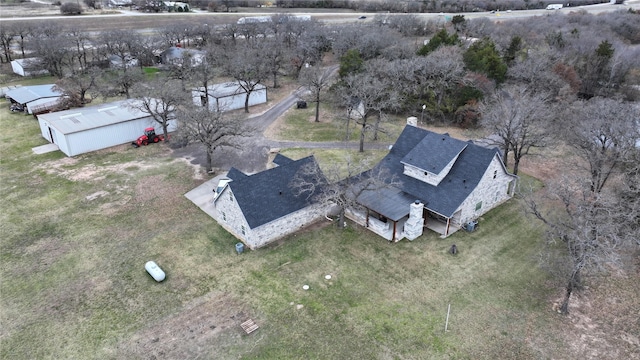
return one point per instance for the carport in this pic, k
(33, 98)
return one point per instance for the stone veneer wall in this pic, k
(490, 191)
(285, 225)
(426, 176)
(230, 217)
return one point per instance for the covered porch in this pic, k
(385, 212)
(441, 224)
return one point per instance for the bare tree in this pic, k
(309, 48)
(341, 184)
(439, 74)
(160, 98)
(594, 216)
(518, 121)
(82, 46)
(24, 31)
(543, 71)
(245, 64)
(603, 133)
(365, 92)
(211, 129)
(7, 35)
(369, 44)
(587, 227)
(374, 91)
(175, 34)
(51, 47)
(120, 47)
(204, 71)
(77, 86)
(316, 80)
(274, 54)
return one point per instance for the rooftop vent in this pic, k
(107, 108)
(70, 115)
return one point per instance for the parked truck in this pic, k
(554, 6)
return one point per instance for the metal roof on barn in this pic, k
(28, 63)
(91, 117)
(26, 94)
(227, 89)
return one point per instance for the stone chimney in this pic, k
(412, 120)
(414, 226)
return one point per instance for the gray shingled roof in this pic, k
(461, 180)
(390, 202)
(268, 195)
(434, 152)
(280, 160)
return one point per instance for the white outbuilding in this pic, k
(28, 67)
(228, 96)
(82, 130)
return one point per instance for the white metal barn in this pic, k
(78, 131)
(27, 67)
(228, 96)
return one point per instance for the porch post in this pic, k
(393, 237)
(446, 232)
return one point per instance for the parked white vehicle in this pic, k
(554, 6)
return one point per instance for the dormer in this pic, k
(432, 159)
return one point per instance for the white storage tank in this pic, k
(154, 270)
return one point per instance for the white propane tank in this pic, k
(154, 270)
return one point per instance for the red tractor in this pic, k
(148, 138)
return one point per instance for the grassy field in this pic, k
(76, 232)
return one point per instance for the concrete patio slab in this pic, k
(202, 196)
(45, 149)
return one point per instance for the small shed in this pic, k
(78, 131)
(28, 67)
(33, 97)
(228, 96)
(177, 55)
(118, 62)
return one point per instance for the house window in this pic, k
(224, 216)
(203, 100)
(242, 228)
(495, 174)
(231, 196)
(479, 206)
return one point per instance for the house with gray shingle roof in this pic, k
(263, 207)
(445, 183)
